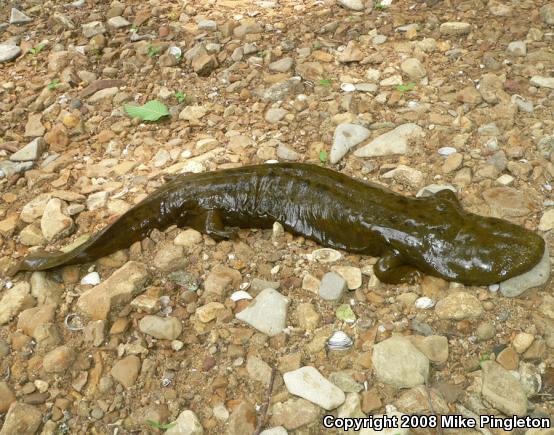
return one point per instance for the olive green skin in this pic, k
(433, 235)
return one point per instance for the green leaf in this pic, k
(345, 313)
(157, 425)
(54, 84)
(180, 97)
(325, 82)
(404, 88)
(323, 157)
(151, 111)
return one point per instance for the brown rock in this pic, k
(126, 371)
(34, 127)
(58, 360)
(21, 419)
(98, 85)
(242, 420)
(203, 65)
(31, 318)
(508, 358)
(221, 279)
(57, 138)
(371, 401)
(508, 202)
(6, 397)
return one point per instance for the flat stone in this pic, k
(413, 68)
(54, 223)
(282, 90)
(345, 137)
(163, 328)
(543, 82)
(221, 279)
(18, 17)
(332, 287)
(210, 311)
(118, 22)
(309, 384)
(34, 127)
(15, 300)
(522, 341)
(398, 362)
(193, 113)
(417, 400)
(507, 202)
(353, 5)
(9, 52)
(186, 424)
(32, 318)
(282, 65)
(352, 275)
(277, 430)
(455, 28)
(294, 413)
(267, 312)
(44, 289)
(21, 419)
(97, 200)
(59, 359)
(392, 142)
(169, 257)
(103, 94)
(536, 277)
(345, 382)
(8, 225)
(547, 14)
(434, 347)
(6, 397)
(459, 306)
(207, 25)
(242, 420)
(274, 115)
(258, 369)
(126, 371)
(547, 221)
(188, 238)
(405, 175)
(122, 286)
(517, 48)
(286, 153)
(502, 390)
(32, 151)
(93, 28)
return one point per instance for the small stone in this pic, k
(54, 223)
(188, 238)
(455, 28)
(277, 430)
(14, 301)
(34, 127)
(517, 48)
(332, 287)
(281, 90)
(422, 400)
(32, 151)
(286, 153)
(459, 306)
(346, 136)
(45, 290)
(97, 200)
(57, 138)
(282, 65)
(502, 390)
(536, 277)
(93, 28)
(309, 384)
(126, 371)
(9, 52)
(31, 318)
(103, 94)
(21, 419)
(210, 311)
(392, 142)
(354, 5)
(351, 53)
(547, 221)
(242, 420)
(8, 225)
(469, 95)
(370, 401)
(118, 22)
(6, 397)
(267, 312)
(522, 341)
(345, 382)
(352, 276)
(485, 331)
(542, 82)
(18, 17)
(307, 316)
(186, 424)
(59, 359)
(193, 113)
(508, 358)
(124, 284)
(274, 115)
(413, 68)
(169, 257)
(207, 25)
(547, 14)
(434, 347)
(222, 279)
(405, 175)
(258, 369)
(203, 65)
(294, 413)
(163, 328)
(398, 362)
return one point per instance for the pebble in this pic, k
(6, 397)
(34, 126)
(308, 383)
(18, 17)
(307, 316)
(120, 288)
(21, 419)
(455, 28)
(163, 328)
(126, 370)
(242, 420)
(188, 238)
(542, 82)
(424, 303)
(354, 5)
(547, 221)
(258, 370)
(274, 115)
(118, 22)
(507, 202)
(345, 137)
(345, 382)
(54, 223)
(326, 255)
(502, 390)
(97, 200)
(277, 430)
(547, 14)
(93, 28)
(92, 278)
(405, 175)
(517, 48)
(413, 68)
(508, 358)
(392, 142)
(209, 312)
(59, 359)
(459, 306)
(398, 362)
(32, 151)
(267, 312)
(332, 287)
(186, 424)
(9, 52)
(352, 276)
(282, 65)
(536, 277)
(522, 341)
(485, 331)
(15, 300)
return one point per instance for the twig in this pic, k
(265, 407)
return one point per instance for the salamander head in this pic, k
(486, 250)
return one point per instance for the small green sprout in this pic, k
(36, 50)
(380, 6)
(406, 88)
(54, 84)
(485, 357)
(164, 426)
(153, 51)
(323, 157)
(325, 82)
(180, 97)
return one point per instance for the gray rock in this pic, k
(54, 223)
(332, 287)
(405, 175)
(186, 424)
(459, 306)
(543, 82)
(31, 151)
(398, 362)
(274, 115)
(309, 384)
(118, 22)
(286, 153)
(392, 142)
(345, 382)
(536, 277)
(517, 48)
(432, 189)
(163, 328)
(9, 52)
(93, 28)
(8, 168)
(284, 89)
(267, 312)
(207, 25)
(18, 17)
(281, 65)
(455, 28)
(346, 136)
(547, 14)
(354, 5)
(522, 104)
(413, 68)
(502, 390)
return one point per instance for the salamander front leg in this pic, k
(214, 227)
(392, 270)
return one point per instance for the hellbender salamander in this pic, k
(433, 235)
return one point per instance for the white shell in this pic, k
(239, 295)
(339, 341)
(446, 151)
(91, 279)
(348, 87)
(326, 255)
(424, 303)
(175, 51)
(494, 287)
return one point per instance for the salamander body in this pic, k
(431, 235)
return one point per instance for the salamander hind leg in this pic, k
(392, 270)
(215, 228)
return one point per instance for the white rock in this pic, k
(31, 151)
(186, 424)
(9, 52)
(18, 17)
(446, 151)
(547, 221)
(424, 303)
(267, 312)
(413, 68)
(346, 136)
(354, 5)
(91, 278)
(543, 82)
(392, 142)
(97, 200)
(118, 22)
(308, 383)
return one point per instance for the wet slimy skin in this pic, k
(431, 235)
